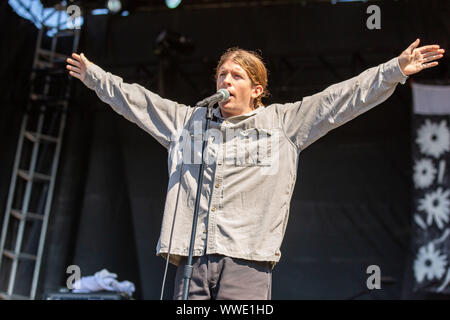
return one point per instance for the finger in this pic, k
(76, 56)
(413, 45)
(430, 64)
(431, 58)
(72, 68)
(428, 48)
(83, 58)
(74, 62)
(432, 53)
(74, 74)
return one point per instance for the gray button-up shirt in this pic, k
(251, 159)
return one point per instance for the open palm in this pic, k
(78, 66)
(415, 59)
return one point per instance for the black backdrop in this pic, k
(351, 204)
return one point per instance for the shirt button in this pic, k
(213, 209)
(217, 185)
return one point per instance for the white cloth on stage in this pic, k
(103, 280)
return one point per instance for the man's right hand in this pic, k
(78, 66)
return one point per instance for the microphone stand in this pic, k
(188, 267)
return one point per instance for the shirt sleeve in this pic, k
(306, 121)
(159, 117)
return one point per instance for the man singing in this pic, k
(244, 205)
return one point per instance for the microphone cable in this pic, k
(175, 214)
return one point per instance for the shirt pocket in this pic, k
(253, 147)
(191, 148)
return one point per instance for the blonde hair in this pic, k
(252, 63)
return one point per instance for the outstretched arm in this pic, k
(306, 121)
(160, 117)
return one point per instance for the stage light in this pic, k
(97, 12)
(172, 4)
(114, 5)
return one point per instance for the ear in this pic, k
(257, 91)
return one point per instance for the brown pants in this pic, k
(217, 277)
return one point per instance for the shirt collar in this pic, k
(218, 114)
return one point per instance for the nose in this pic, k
(227, 79)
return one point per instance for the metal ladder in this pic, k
(35, 168)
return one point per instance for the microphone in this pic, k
(219, 96)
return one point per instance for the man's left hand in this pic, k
(415, 59)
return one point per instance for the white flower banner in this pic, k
(431, 188)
